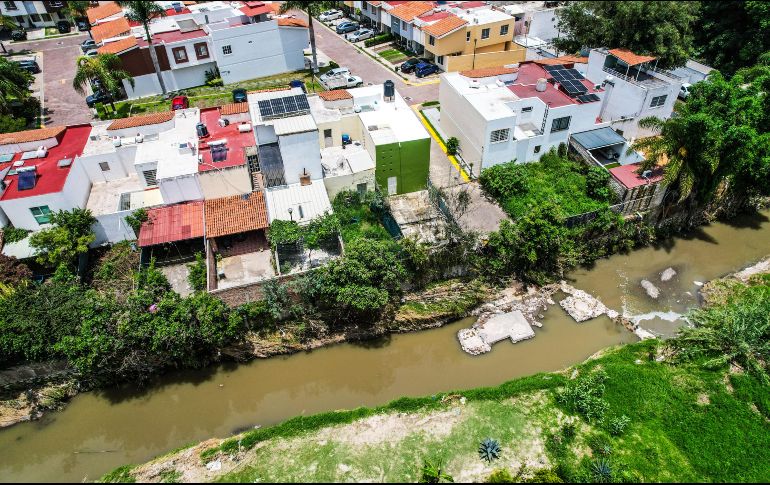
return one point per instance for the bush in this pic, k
(12, 271)
(597, 183)
(215, 83)
(501, 476)
(617, 425)
(136, 219)
(196, 275)
(544, 475)
(380, 39)
(452, 145)
(503, 180)
(68, 237)
(14, 234)
(584, 396)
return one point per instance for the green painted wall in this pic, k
(409, 162)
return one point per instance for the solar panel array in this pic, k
(270, 109)
(588, 98)
(27, 180)
(569, 79)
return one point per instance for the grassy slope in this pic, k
(686, 424)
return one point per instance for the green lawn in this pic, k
(395, 55)
(357, 217)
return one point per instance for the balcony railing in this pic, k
(643, 79)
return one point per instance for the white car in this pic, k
(330, 15)
(684, 91)
(360, 35)
(333, 73)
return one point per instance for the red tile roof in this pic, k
(489, 72)
(253, 9)
(560, 61)
(118, 46)
(144, 120)
(236, 141)
(31, 135)
(50, 177)
(113, 28)
(335, 95)
(445, 26)
(171, 223)
(409, 10)
(626, 175)
(291, 22)
(236, 214)
(104, 10)
(629, 57)
(234, 108)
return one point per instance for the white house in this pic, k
(35, 14)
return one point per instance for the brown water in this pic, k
(99, 431)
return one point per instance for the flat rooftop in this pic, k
(480, 14)
(123, 194)
(337, 161)
(305, 201)
(235, 142)
(394, 115)
(175, 149)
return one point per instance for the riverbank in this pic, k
(25, 396)
(661, 401)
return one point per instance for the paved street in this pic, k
(63, 106)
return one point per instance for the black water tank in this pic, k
(390, 89)
(202, 130)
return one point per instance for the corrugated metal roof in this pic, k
(294, 124)
(306, 201)
(602, 137)
(172, 223)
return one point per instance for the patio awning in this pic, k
(629, 57)
(599, 138)
(171, 223)
(235, 214)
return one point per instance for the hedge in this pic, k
(380, 39)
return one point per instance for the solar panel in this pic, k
(302, 102)
(588, 98)
(282, 107)
(277, 105)
(290, 104)
(27, 180)
(574, 74)
(265, 111)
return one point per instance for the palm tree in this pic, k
(311, 9)
(106, 68)
(14, 84)
(144, 12)
(6, 22)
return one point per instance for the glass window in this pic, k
(440, 59)
(403, 25)
(35, 17)
(537, 148)
(104, 166)
(41, 214)
(560, 124)
(468, 36)
(526, 109)
(499, 135)
(11, 6)
(46, 17)
(485, 33)
(504, 29)
(658, 101)
(227, 50)
(201, 50)
(432, 40)
(180, 54)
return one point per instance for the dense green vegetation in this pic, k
(18, 108)
(360, 215)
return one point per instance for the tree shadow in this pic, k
(753, 220)
(373, 343)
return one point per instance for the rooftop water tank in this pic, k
(541, 84)
(390, 89)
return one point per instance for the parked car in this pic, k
(330, 15)
(337, 71)
(19, 34)
(345, 27)
(342, 81)
(29, 66)
(98, 97)
(684, 91)
(87, 45)
(360, 35)
(63, 26)
(92, 53)
(83, 25)
(180, 102)
(409, 65)
(425, 69)
(239, 95)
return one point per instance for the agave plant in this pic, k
(489, 449)
(601, 470)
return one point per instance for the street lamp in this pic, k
(290, 214)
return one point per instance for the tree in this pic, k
(597, 183)
(321, 229)
(68, 237)
(12, 271)
(312, 9)
(661, 29)
(14, 85)
(78, 8)
(105, 68)
(6, 22)
(732, 34)
(144, 12)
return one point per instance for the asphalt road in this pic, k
(62, 104)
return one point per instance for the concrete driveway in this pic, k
(62, 105)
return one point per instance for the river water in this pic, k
(99, 431)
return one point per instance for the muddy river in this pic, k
(99, 431)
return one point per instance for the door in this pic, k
(392, 185)
(328, 140)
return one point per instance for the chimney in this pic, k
(304, 179)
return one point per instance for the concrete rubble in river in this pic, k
(513, 315)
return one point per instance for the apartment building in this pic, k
(31, 15)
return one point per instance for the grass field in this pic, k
(394, 55)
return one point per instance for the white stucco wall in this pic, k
(335, 185)
(112, 228)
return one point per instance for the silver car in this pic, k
(360, 35)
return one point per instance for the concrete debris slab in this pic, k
(667, 274)
(471, 342)
(651, 289)
(479, 339)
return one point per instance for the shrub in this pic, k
(284, 232)
(544, 475)
(452, 144)
(215, 83)
(68, 237)
(136, 219)
(501, 475)
(597, 183)
(601, 471)
(196, 275)
(617, 425)
(503, 180)
(13, 271)
(433, 472)
(380, 39)
(584, 396)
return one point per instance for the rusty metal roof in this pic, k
(171, 223)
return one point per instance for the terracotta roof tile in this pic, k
(629, 57)
(489, 72)
(409, 10)
(104, 10)
(171, 223)
(559, 61)
(236, 214)
(445, 26)
(234, 108)
(291, 22)
(118, 46)
(113, 28)
(270, 90)
(144, 120)
(335, 95)
(375, 3)
(31, 135)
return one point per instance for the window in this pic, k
(485, 33)
(104, 166)
(432, 40)
(180, 54)
(526, 109)
(46, 17)
(227, 50)
(440, 60)
(658, 101)
(537, 149)
(499, 135)
(41, 214)
(361, 188)
(468, 36)
(10, 6)
(150, 177)
(201, 50)
(35, 17)
(403, 25)
(560, 124)
(504, 29)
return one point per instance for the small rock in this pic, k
(343, 468)
(667, 274)
(463, 400)
(698, 283)
(651, 289)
